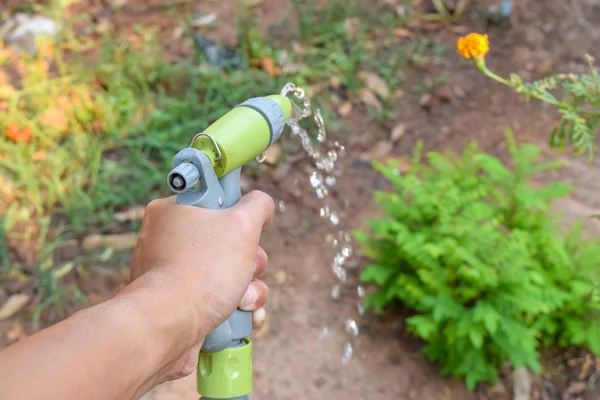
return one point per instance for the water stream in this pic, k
(324, 174)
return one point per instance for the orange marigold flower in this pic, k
(16, 135)
(473, 45)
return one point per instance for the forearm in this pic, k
(110, 351)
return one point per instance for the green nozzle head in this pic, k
(244, 132)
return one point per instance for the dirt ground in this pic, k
(293, 358)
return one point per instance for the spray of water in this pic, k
(323, 176)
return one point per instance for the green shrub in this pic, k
(467, 243)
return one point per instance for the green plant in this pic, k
(469, 246)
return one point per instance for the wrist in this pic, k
(164, 316)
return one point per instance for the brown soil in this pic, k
(291, 359)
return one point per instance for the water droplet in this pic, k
(335, 243)
(360, 309)
(332, 155)
(342, 274)
(322, 135)
(348, 351)
(351, 327)
(346, 251)
(324, 333)
(361, 291)
(330, 181)
(333, 217)
(281, 206)
(315, 180)
(324, 212)
(335, 292)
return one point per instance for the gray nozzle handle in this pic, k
(192, 166)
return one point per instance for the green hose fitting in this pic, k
(226, 374)
(244, 132)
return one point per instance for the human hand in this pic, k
(203, 263)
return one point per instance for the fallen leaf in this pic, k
(378, 152)
(280, 277)
(16, 332)
(177, 33)
(13, 305)
(55, 117)
(268, 65)
(263, 330)
(204, 20)
(444, 93)
(459, 92)
(399, 93)
(120, 241)
(398, 131)
(375, 83)
(369, 98)
(272, 154)
(402, 33)
(427, 101)
(345, 109)
(131, 214)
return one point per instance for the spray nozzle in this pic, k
(183, 177)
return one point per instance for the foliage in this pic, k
(579, 106)
(468, 245)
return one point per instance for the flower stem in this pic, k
(480, 63)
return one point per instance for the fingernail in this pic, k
(255, 264)
(258, 317)
(250, 297)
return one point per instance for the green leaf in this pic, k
(476, 336)
(494, 167)
(421, 325)
(377, 273)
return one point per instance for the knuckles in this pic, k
(241, 221)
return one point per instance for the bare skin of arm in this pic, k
(191, 268)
